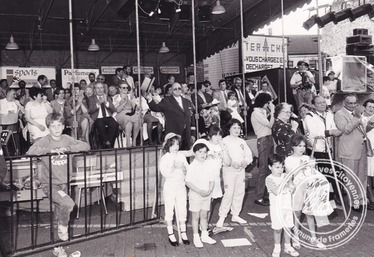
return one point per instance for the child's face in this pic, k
(276, 169)
(232, 97)
(175, 147)
(299, 149)
(56, 128)
(201, 154)
(216, 139)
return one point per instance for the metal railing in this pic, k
(124, 183)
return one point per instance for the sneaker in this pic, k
(276, 253)
(238, 219)
(63, 233)
(296, 243)
(208, 240)
(291, 251)
(75, 254)
(317, 243)
(197, 242)
(220, 222)
(59, 252)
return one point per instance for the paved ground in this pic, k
(151, 240)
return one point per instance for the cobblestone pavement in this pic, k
(151, 240)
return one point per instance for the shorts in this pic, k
(281, 219)
(199, 203)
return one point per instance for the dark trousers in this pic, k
(107, 129)
(265, 147)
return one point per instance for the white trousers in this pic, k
(175, 194)
(234, 186)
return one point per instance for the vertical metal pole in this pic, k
(194, 66)
(138, 61)
(72, 65)
(243, 64)
(284, 56)
(320, 71)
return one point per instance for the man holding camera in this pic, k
(302, 82)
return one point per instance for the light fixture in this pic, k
(218, 9)
(164, 49)
(178, 9)
(310, 22)
(159, 11)
(93, 47)
(11, 45)
(151, 13)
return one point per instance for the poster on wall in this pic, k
(29, 74)
(79, 74)
(109, 70)
(263, 52)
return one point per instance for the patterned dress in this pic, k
(282, 133)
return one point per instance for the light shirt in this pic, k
(179, 100)
(261, 125)
(200, 174)
(100, 111)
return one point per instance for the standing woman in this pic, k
(233, 173)
(35, 113)
(283, 129)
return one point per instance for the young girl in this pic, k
(280, 205)
(173, 166)
(306, 180)
(233, 105)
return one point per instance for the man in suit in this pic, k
(43, 84)
(177, 111)
(117, 79)
(101, 109)
(203, 98)
(351, 148)
(221, 95)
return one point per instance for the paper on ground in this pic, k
(235, 242)
(258, 215)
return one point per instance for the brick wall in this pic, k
(334, 36)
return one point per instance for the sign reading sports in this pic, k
(263, 52)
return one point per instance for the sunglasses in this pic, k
(177, 88)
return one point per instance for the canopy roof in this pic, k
(44, 24)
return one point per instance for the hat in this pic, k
(302, 62)
(168, 136)
(200, 141)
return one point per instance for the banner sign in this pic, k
(263, 52)
(109, 70)
(169, 69)
(79, 74)
(143, 69)
(29, 74)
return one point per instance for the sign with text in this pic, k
(263, 52)
(79, 74)
(143, 69)
(169, 70)
(29, 74)
(109, 70)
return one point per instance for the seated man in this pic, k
(101, 109)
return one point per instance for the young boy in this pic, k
(281, 214)
(200, 181)
(56, 142)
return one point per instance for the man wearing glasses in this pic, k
(351, 147)
(101, 79)
(177, 111)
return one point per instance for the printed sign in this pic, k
(263, 52)
(169, 70)
(29, 74)
(143, 69)
(109, 70)
(79, 74)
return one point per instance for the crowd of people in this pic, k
(97, 111)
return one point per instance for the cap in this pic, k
(302, 62)
(170, 135)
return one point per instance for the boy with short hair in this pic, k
(200, 181)
(56, 142)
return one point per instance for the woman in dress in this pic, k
(127, 115)
(36, 111)
(283, 128)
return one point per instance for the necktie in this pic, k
(103, 109)
(224, 95)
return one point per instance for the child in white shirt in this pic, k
(200, 180)
(233, 106)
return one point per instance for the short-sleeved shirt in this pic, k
(200, 174)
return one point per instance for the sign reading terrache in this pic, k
(263, 52)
